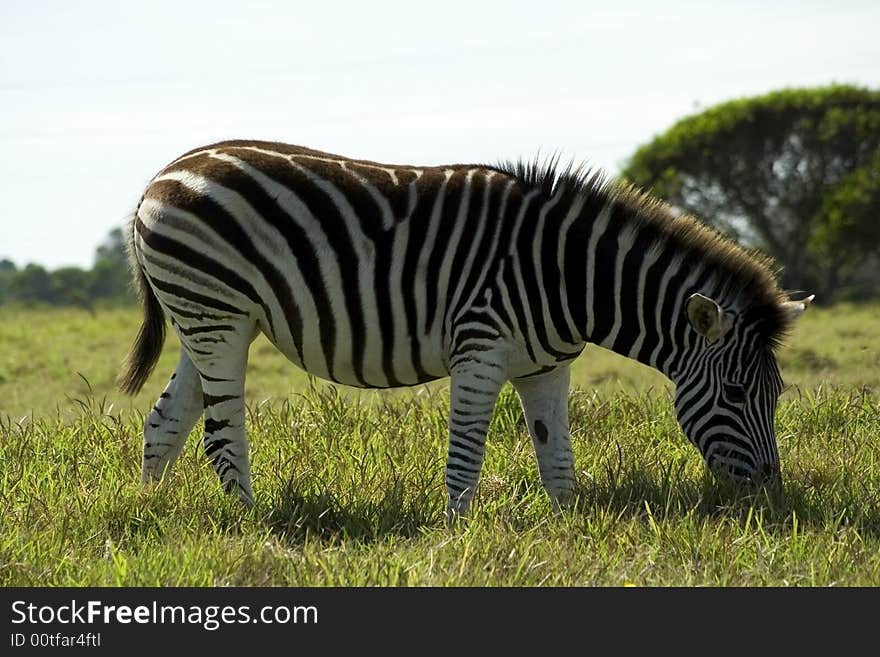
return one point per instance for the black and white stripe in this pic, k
(376, 275)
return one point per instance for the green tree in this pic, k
(848, 233)
(33, 283)
(7, 272)
(113, 248)
(789, 172)
(111, 278)
(107, 281)
(69, 287)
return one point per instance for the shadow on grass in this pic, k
(833, 506)
(670, 493)
(297, 516)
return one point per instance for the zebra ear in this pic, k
(706, 317)
(795, 309)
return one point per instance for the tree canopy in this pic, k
(108, 281)
(793, 173)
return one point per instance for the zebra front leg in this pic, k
(171, 420)
(475, 387)
(545, 406)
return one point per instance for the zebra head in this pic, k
(726, 394)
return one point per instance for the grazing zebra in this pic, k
(377, 276)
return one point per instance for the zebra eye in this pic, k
(735, 393)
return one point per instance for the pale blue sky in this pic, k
(96, 96)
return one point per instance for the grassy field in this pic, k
(350, 491)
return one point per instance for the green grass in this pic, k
(349, 485)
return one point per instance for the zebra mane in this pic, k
(749, 277)
(550, 177)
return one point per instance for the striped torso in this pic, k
(366, 274)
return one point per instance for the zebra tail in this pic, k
(147, 345)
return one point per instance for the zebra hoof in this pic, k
(562, 502)
(457, 514)
(244, 492)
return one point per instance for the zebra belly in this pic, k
(366, 355)
(370, 369)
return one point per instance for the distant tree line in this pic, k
(107, 282)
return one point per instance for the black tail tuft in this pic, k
(148, 345)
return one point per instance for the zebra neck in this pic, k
(636, 284)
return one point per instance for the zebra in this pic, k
(377, 276)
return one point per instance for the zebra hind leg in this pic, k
(170, 421)
(545, 406)
(219, 354)
(225, 441)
